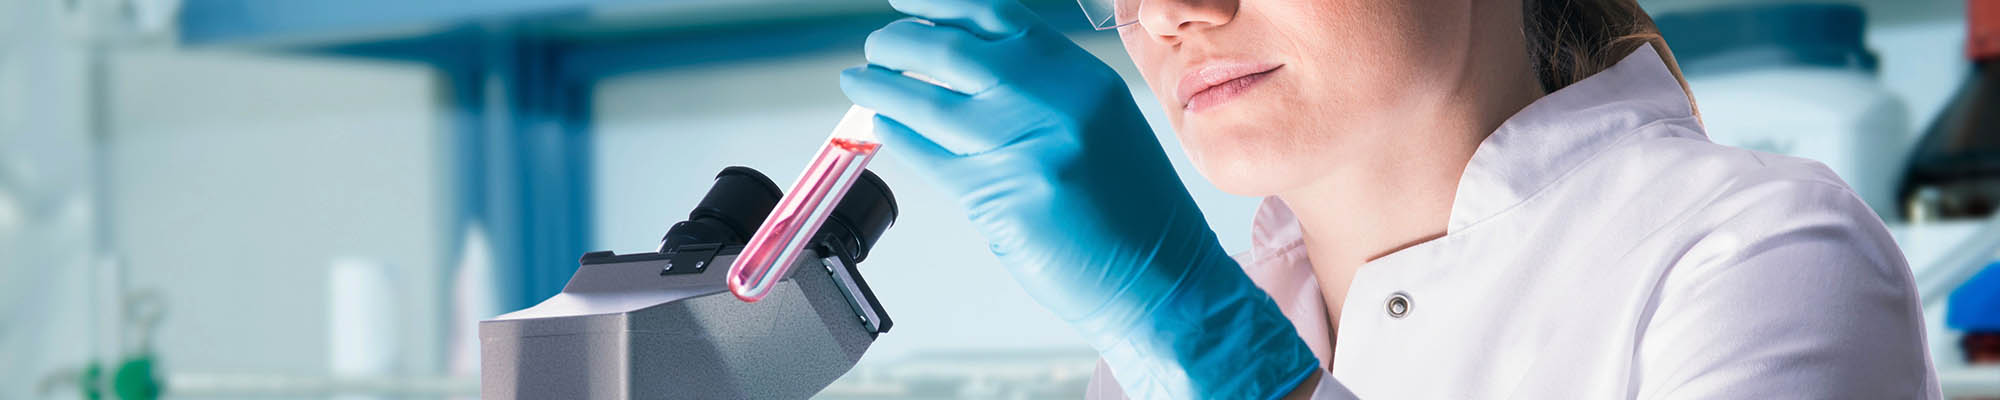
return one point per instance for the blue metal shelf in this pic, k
(225, 21)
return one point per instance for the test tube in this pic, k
(778, 242)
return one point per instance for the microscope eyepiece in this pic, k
(735, 205)
(860, 218)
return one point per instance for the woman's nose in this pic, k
(1172, 19)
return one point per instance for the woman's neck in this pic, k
(1400, 192)
(1399, 197)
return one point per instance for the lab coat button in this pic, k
(1399, 305)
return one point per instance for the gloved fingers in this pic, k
(909, 143)
(949, 119)
(990, 19)
(903, 98)
(950, 55)
(918, 152)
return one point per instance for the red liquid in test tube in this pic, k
(769, 255)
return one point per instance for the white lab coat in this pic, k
(1601, 247)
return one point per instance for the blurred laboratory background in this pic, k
(319, 198)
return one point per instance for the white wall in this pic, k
(233, 181)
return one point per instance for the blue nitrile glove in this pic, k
(1046, 150)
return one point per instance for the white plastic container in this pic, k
(1842, 118)
(1798, 80)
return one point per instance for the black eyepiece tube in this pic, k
(860, 218)
(735, 205)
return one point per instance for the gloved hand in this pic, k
(1046, 150)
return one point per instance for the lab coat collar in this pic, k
(1532, 149)
(1544, 141)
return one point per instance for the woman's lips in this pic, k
(1216, 83)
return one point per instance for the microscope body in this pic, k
(663, 325)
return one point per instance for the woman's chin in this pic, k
(1240, 172)
(1249, 157)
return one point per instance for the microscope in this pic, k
(664, 325)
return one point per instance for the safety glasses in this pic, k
(1110, 14)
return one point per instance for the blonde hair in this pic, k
(1569, 40)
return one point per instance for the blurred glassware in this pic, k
(361, 321)
(474, 296)
(130, 373)
(136, 378)
(1795, 79)
(10, 211)
(1955, 170)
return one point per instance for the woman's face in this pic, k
(1267, 95)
